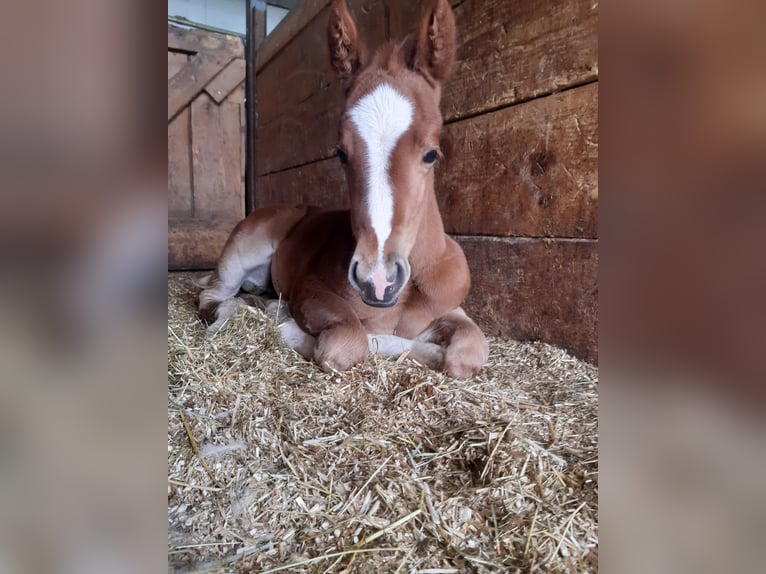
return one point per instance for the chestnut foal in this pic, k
(382, 276)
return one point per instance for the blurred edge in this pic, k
(83, 290)
(682, 280)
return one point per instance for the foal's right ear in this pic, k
(347, 52)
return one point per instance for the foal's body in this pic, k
(383, 275)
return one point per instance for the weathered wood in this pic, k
(225, 82)
(513, 51)
(301, 75)
(292, 25)
(321, 183)
(179, 167)
(194, 41)
(195, 245)
(528, 170)
(536, 289)
(216, 156)
(176, 61)
(190, 81)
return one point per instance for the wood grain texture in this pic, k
(513, 51)
(179, 167)
(194, 41)
(195, 245)
(192, 79)
(536, 289)
(176, 61)
(216, 160)
(321, 183)
(225, 82)
(528, 170)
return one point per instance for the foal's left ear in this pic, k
(434, 52)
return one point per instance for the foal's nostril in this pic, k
(352, 277)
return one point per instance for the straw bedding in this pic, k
(274, 465)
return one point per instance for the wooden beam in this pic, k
(194, 41)
(192, 79)
(225, 82)
(256, 34)
(528, 170)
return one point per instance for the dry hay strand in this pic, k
(389, 467)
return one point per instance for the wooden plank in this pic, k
(513, 51)
(292, 25)
(216, 158)
(195, 245)
(191, 80)
(176, 61)
(536, 289)
(195, 41)
(528, 170)
(179, 167)
(322, 183)
(225, 82)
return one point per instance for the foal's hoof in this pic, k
(464, 361)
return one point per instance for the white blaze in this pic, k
(381, 117)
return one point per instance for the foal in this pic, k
(382, 276)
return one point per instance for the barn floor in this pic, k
(274, 465)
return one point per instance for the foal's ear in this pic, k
(347, 52)
(434, 52)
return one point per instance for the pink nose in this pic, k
(380, 281)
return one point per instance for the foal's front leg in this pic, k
(341, 341)
(465, 347)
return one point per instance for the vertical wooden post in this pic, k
(255, 34)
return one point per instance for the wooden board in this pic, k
(194, 245)
(216, 159)
(528, 170)
(225, 82)
(536, 289)
(513, 51)
(194, 41)
(321, 183)
(179, 167)
(191, 80)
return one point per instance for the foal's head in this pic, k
(389, 141)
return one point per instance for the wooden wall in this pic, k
(206, 144)
(518, 187)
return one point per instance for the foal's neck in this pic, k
(431, 240)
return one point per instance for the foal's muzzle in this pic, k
(381, 286)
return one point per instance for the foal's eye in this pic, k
(430, 156)
(342, 156)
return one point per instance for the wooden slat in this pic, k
(179, 167)
(512, 51)
(191, 80)
(528, 170)
(195, 245)
(176, 61)
(225, 82)
(322, 183)
(216, 158)
(194, 41)
(536, 289)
